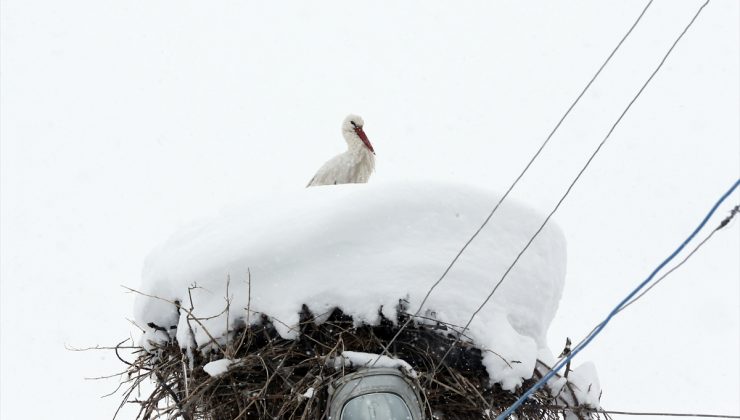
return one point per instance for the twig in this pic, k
(176, 305)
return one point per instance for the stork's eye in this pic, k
(353, 124)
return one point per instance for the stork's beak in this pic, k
(364, 138)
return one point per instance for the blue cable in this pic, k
(601, 326)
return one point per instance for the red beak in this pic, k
(364, 139)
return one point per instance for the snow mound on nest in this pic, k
(362, 247)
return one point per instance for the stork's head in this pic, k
(353, 132)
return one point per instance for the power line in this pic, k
(735, 210)
(618, 308)
(724, 223)
(674, 268)
(578, 348)
(511, 187)
(641, 413)
(578, 176)
(634, 413)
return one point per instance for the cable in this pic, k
(633, 413)
(621, 304)
(724, 223)
(721, 225)
(583, 169)
(640, 413)
(511, 187)
(674, 268)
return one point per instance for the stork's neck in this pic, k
(355, 146)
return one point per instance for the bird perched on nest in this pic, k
(353, 166)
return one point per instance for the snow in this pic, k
(362, 248)
(218, 367)
(583, 383)
(309, 392)
(586, 384)
(111, 142)
(361, 359)
(153, 339)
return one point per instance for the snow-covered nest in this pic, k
(259, 375)
(371, 251)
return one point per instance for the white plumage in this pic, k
(353, 166)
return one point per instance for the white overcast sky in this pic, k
(124, 120)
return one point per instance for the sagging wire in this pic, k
(722, 224)
(583, 169)
(516, 181)
(616, 309)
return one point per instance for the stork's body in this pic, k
(353, 166)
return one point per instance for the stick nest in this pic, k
(271, 376)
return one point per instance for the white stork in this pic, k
(353, 166)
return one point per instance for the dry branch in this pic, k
(270, 375)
